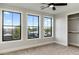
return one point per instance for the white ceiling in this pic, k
(36, 7)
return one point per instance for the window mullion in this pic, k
(12, 25)
(51, 26)
(33, 26)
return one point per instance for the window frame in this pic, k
(9, 25)
(50, 27)
(33, 25)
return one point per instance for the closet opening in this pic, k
(73, 29)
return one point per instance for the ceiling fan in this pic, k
(52, 5)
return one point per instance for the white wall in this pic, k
(61, 29)
(24, 42)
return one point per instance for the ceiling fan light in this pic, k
(51, 6)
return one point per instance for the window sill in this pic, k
(44, 38)
(12, 41)
(47, 37)
(34, 39)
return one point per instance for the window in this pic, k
(11, 26)
(33, 26)
(47, 27)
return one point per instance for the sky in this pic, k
(10, 18)
(14, 18)
(33, 20)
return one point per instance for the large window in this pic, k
(33, 26)
(11, 26)
(47, 27)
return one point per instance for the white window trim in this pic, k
(3, 42)
(39, 26)
(53, 27)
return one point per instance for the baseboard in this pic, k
(23, 47)
(74, 44)
(60, 43)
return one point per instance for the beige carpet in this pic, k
(51, 49)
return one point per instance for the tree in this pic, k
(16, 33)
(47, 30)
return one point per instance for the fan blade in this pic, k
(42, 7)
(45, 3)
(60, 4)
